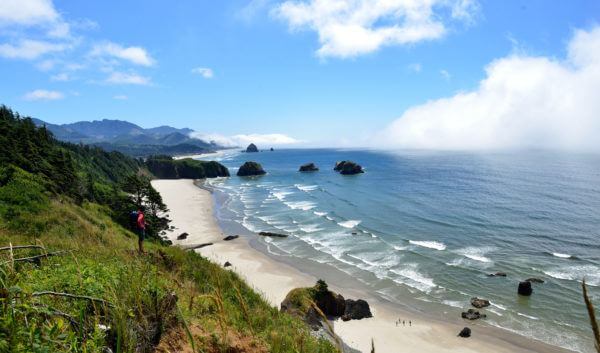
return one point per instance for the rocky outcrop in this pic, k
(479, 303)
(251, 148)
(534, 280)
(472, 314)
(231, 237)
(250, 169)
(270, 234)
(182, 236)
(525, 288)
(497, 274)
(465, 333)
(356, 310)
(348, 168)
(227, 264)
(302, 301)
(308, 167)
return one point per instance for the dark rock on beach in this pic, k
(251, 168)
(308, 167)
(534, 280)
(332, 305)
(227, 264)
(251, 148)
(269, 234)
(348, 168)
(182, 236)
(472, 314)
(497, 274)
(231, 237)
(198, 246)
(465, 333)
(479, 303)
(356, 310)
(525, 288)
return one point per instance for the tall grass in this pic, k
(592, 315)
(101, 262)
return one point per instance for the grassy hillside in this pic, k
(219, 310)
(79, 284)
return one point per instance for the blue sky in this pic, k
(307, 69)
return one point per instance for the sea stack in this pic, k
(251, 148)
(525, 288)
(348, 168)
(250, 169)
(308, 167)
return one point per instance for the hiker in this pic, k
(141, 230)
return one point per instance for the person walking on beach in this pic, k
(141, 230)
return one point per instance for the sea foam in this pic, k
(350, 223)
(429, 244)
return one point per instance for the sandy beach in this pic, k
(191, 210)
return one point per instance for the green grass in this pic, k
(216, 306)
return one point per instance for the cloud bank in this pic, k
(524, 102)
(242, 140)
(348, 28)
(42, 94)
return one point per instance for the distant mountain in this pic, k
(130, 138)
(165, 130)
(104, 130)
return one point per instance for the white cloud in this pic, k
(27, 12)
(416, 67)
(42, 94)
(61, 77)
(242, 140)
(446, 75)
(121, 97)
(204, 72)
(122, 78)
(348, 28)
(30, 49)
(524, 102)
(135, 55)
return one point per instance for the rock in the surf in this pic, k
(525, 288)
(270, 234)
(308, 167)
(250, 169)
(227, 264)
(231, 237)
(472, 314)
(251, 148)
(465, 333)
(348, 168)
(497, 274)
(182, 236)
(356, 310)
(479, 303)
(534, 280)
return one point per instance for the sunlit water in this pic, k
(429, 227)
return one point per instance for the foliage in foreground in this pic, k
(155, 299)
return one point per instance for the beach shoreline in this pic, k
(192, 210)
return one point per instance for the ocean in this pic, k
(424, 229)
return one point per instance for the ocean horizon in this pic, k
(425, 229)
